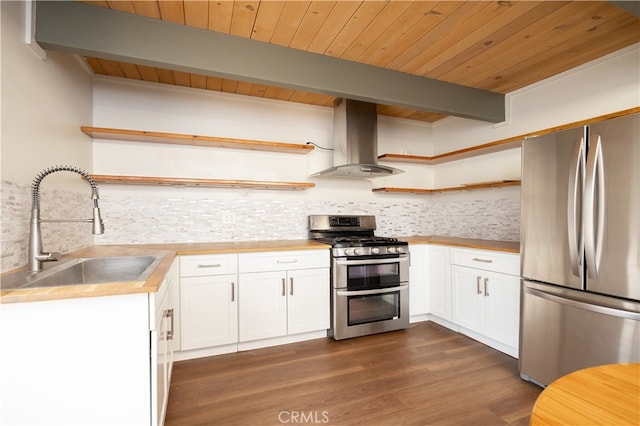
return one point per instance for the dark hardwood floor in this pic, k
(425, 375)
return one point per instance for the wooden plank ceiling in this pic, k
(499, 46)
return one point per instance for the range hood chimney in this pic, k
(355, 142)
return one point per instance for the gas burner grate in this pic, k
(356, 240)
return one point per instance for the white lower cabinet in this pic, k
(209, 308)
(208, 301)
(227, 300)
(486, 304)
(263, 310)
(165, 331)
(275, 304)
(419, 283)
(308, 300)
(87, 361)
(440, 283)
(283, 293)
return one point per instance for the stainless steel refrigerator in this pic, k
(580, 249)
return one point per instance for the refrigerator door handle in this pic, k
(606, 310)
(576, 183)
(594, 206)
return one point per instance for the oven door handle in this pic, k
(372, 261)
(371, 292)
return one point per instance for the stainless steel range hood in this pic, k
(355, 142)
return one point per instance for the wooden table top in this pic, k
(602, 395)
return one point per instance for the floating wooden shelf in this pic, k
(460, 154)
(183, 139)
(497, 146)
(469, 187)
(210, 183)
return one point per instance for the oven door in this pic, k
(359, 313)
(370, 274)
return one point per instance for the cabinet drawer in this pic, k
(209, 264)
(488, 260)
(283, 260)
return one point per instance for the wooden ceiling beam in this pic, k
(87, 30)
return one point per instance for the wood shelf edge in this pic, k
(194, 140)
(472, 187)
(193, 182)
(460, 154)
(496, 146)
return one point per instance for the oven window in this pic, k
(360, 277)
(372, 308)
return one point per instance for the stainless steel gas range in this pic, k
(369, 276)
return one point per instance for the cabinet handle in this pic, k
(486, 287)
(169, 314)
(233, 292)
(213, 265)
(291, 282)
(284, 285)
(478, 291)
(287, 261)
(477, 259)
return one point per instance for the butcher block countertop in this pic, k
(171, 250)
(151, 285)
(237, 246)
(504, 246)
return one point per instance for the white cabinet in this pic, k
(308, 300)
(263, 310)
(163, 336)
(283, 293)
(487, 303)
(85, 361)
(208, 301)
(419, 283)
(440, 284)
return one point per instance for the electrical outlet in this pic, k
(228, 218)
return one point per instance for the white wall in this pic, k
(201, 214)
(44, 102)
(603, 86)
(146, 106)
(43, 105)
(161, 214)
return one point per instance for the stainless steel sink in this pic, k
(96, 270)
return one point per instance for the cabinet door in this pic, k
(468, 298)
(163, 359)
(174, 289)
(502, 308)
(263, 305)
(418, 281)
(209, 310)
(308, 300)
(440, 282)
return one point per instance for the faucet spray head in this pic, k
(97, 223)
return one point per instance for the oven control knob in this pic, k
(392, 250)
(356, 251)
(400, 249)
(349, 251)
(375, 250)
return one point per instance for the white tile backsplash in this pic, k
(56, 237)
(152, 219)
